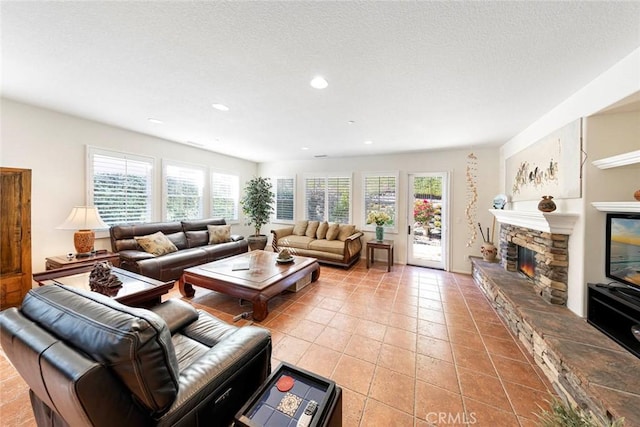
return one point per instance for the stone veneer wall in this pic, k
(552, 259)
(583, 365)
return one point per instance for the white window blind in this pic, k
(381, 194)
(183, 189)
(225, 195)
(339, 199)
(120, 186)
(328, 199)
(285, 198)
(314, 191)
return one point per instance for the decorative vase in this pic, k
(488, 251)
(637, 195)
(379, 233)
(547, 204)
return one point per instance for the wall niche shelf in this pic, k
(617, 206)
(624, 159)
(619, 160)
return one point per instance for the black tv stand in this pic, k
(614, 312)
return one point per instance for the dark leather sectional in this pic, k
(190, 237)
(91, 361)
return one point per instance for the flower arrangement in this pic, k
(423, 211)
(378, 217)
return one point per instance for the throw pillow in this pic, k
(311, 229)
(345, 231)
(300, 228)
(219, 234)
(156, 244)
(332, 232)
(322, 230)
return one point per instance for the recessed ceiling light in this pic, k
(156, 121)
(368, 142)
(304, 148)
(220, 107)
(319, 83)
(350, 122)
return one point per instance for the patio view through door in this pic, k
(427, 219)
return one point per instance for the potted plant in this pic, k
(257, 206)
(380, 218)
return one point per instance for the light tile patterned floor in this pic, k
(414, 347)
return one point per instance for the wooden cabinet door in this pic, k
(15, 235)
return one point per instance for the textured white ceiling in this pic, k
(412, 75)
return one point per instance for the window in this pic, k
(225, 196)
(285, 197)
(381, 194)
(328, 199)
(120, 186)
(183, 187)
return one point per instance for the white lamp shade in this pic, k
(83, 218)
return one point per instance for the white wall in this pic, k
(607, 135)
(453, 162)
(619, 82)
(53, 146)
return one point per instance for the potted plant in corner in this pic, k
(257, 207)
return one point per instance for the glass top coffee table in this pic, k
(255, 276)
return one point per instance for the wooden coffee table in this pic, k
(264, 279)
(136, 290)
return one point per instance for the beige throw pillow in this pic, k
(345, 231)
(322, 230)
(300, 228)
(332, 232)
(156, 244)
(219, 234)
(311, 229)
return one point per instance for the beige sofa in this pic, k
(336, 244)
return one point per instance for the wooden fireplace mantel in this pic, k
(550, 222)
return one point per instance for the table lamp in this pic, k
(84, 219)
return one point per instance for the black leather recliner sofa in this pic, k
(190, 237)
(91, 361)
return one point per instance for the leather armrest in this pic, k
(202, 381)
(176, 313)
(236, 237)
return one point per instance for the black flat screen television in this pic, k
(623, 249)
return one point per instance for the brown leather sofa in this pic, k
(91, 361)
(190, 237)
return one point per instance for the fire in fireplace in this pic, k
(527, 261)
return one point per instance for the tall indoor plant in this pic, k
(257, 206)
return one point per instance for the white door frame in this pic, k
(443, 264)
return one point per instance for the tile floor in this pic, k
(414, 347)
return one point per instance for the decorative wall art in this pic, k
(552, 165)
(471, 210)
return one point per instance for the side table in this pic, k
(387, 245)
(272, 406)
(62, 261)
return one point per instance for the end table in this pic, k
(387, 245)
(62, 261)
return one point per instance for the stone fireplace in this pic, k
(551, 259)
(547, 236)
